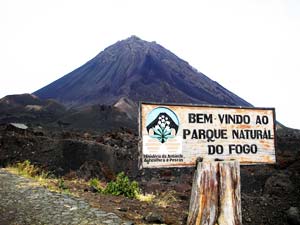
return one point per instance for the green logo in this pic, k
(162, 124)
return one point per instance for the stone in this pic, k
(128, 223)
(293, 216)
(278, 185)
(153, 217)
(123, 209)
(182, 188)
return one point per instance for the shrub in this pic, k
(95, 183)
(123, 186)
(61, 184)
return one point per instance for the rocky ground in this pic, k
(270, 193)
(23, 201)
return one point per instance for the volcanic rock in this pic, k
(279, 184)
(293, 216)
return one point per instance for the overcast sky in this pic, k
(251, 47)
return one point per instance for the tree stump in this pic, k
(216, 196)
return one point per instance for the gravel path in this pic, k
(23, 202)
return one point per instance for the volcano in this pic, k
(137, 70)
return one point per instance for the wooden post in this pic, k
(216, 196)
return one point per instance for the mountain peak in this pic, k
(140, 71)
(134, 38)
(132, 44)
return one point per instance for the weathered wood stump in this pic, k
(216, 196)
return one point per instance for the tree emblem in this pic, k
(163, 124)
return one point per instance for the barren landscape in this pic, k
(84, 127)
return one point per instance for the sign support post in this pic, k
(216, 195)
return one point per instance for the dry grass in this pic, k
(145, 198)
(165, 199)
(26, 169)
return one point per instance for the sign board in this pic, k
(176, 135)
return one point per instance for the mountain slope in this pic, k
(33, 111)
(27, 108)
(140, 71)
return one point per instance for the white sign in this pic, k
(176, 135)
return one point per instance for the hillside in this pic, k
(35, 112)
(27, 108)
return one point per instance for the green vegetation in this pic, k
(95, 183)
(61, 184)
(123, 186)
